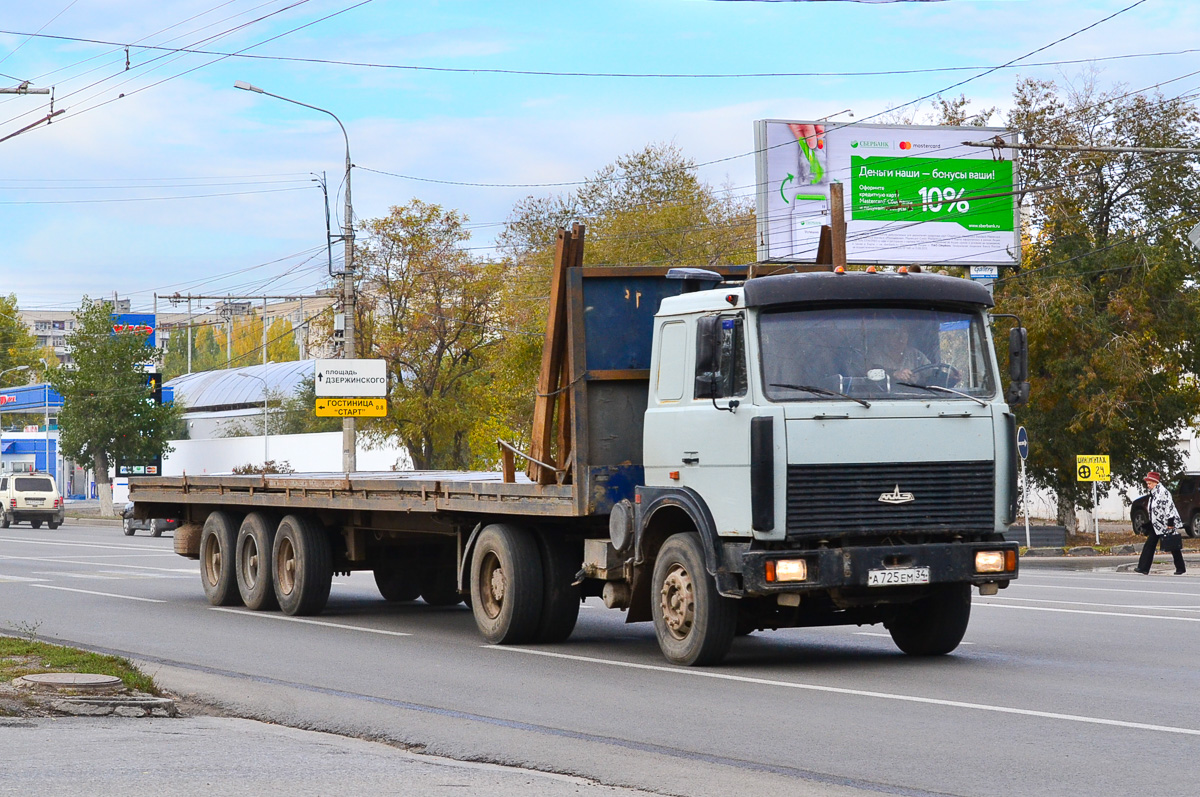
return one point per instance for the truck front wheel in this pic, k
(506, 584)
(217, 543)
(695, 624)
(303, 566)
(935, 624)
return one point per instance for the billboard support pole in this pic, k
(837, 215)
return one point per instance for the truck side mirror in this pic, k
(1018, 355)
(1018, 394)
(708, 352)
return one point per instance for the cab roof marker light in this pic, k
(871, 269)
(902, 270)
(840, 270)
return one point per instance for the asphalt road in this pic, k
(1068, 682)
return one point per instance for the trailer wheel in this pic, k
(397, 584)
(695, 624)
(303, 566)
(439, 587)
(217, 543)
(506, 584)
(255, 539)
(560, 599)
(934, 625)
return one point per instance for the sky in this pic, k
(160, 177)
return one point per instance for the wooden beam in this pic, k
(553, 348)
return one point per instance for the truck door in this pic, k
(698, 426)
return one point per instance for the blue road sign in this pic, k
(1022, 442)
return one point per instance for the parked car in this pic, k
(31, 497)
(156, 526)
(1185, 489)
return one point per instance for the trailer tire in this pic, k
(302, 564)
(397, 584)
(255, 581)
(935, 624)
(560, 597)
(439, 587)
(218, 541)
(506, 584)
(694, 623)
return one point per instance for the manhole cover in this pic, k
(71, 680)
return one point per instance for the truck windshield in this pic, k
(874, 353)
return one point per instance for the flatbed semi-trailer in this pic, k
(710, 453)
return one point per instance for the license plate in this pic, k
(891, 578)
(35, 501)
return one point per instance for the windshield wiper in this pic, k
(939, 388)
(820, 391)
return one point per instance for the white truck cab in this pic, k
(842, 445)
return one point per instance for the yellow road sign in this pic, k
(1092, 468)
(351, 407)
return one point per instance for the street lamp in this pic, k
(349, 442)
(266, 446)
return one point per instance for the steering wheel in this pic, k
(941, 374)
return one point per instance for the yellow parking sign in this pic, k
(1092, 468)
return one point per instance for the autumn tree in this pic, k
(17, 346)
(108, 414)
(1108, 284)
(429, 308)
(648, 207)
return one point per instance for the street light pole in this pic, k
(349, 348)
(263, 379)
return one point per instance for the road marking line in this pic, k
(245, 613)
(837, 690)
(109, 546)
(1100, 614)
(93, 564)
(889, 636)
(1106, 589)
(101, 594)
(1105, 605)
(18, 580)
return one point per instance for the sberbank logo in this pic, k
(870, 144)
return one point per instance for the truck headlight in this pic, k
(995, 561)
(779, 570)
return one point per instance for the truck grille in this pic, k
(841, 500)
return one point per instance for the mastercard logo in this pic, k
(905, 145)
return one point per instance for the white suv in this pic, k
(30, 497)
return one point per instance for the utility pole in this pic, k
(349, 349)
(837, 218)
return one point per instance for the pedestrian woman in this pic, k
(1164, 526)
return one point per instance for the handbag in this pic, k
(1172, 542)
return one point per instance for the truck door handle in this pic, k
(691, 460)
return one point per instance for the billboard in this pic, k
(913, 194)
(143, 323)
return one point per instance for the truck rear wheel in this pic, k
(303, 566)
(255, 539)
(397, 584)
(695, 624)
(506, 584)
(560, 599)
(217, 543)
(934, 625)
(37, 524)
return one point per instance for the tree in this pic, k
(17, 346)
(1108, 286)
(649, 207)
(428, 308)
(108, 414)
